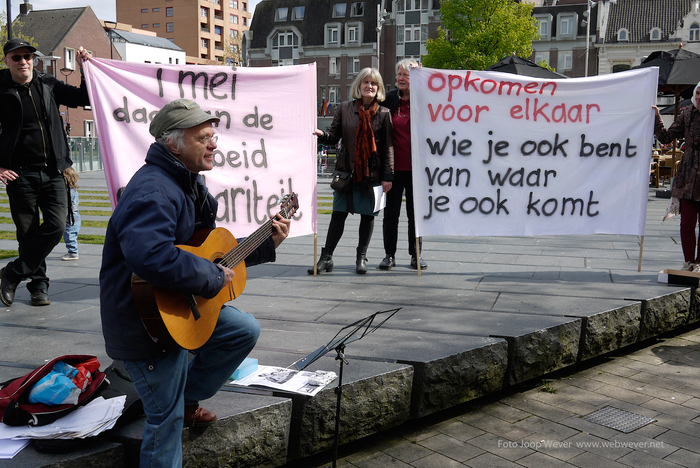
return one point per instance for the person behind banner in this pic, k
(161, 207)
(70, 235)
(399, 103)
(33, 153)
(367, 154)
(686, 183)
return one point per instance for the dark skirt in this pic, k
(355, 201)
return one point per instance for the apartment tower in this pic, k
(207, 30)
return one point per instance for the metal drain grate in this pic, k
(618, 419)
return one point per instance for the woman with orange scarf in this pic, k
(368, 154)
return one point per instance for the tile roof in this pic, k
(142, 39)
(316, 14)
(49, 27)
(640, 16)
(561, 8)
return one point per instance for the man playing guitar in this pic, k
(160, 208)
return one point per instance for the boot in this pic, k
(325, 263)
(361, 265)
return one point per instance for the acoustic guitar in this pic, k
(175, 318)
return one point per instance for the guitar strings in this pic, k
(254, 240)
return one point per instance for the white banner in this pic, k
(496, 154)
(265, 150)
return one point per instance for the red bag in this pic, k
(15, 410)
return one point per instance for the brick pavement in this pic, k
(531, 427)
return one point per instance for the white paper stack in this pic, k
(97, 416)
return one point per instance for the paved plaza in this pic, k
(455, 378)
(540, 424)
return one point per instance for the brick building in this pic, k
(207, 30)
(341, 37)
(58, 34)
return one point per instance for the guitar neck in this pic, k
(245, 248)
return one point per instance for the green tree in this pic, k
(16, 26)
(232, 50)
(475, 34)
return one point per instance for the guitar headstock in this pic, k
(289, 205)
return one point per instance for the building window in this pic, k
(144, 10)
(542, 57)
(399, 35)
(565, 61)
(353, 65)
(411, 5)
(298, 13)
(156, 10)
(339, 10)
(281, 14)
(620, 67)
(333, 35)
(245, 21)
(204, 12)
(245, 6)
(333, 66)
(168, 27)
(334, 94)
(144, 26)
(622, 35)
(156, 25)
(566, 26)
(655, 34)
(233, 4)
(543, 24)
(217, 30)
(169, 11)
(353, 34)
(205, 43)
(695, 33)
(358, 9)
(234, 19)
(412, 33)
(69, 58)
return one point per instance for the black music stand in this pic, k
(349, 333)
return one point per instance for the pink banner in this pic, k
(265, 150)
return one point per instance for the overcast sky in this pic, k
(104, 9)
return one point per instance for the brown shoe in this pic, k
(196, 416)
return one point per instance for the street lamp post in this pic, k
(9, 19)
(380, 23)
(588, 32)
(66, 72)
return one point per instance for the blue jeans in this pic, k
(169, 382)
(70, 236)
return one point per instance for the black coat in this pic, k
(345, 123)
(53, 93)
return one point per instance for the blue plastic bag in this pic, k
(56, 388)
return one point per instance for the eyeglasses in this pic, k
(18, 58)
(208, 139)
(407, 107)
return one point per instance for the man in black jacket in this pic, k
(33, 153)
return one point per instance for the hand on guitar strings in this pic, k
(280, 228)
(228, 273)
